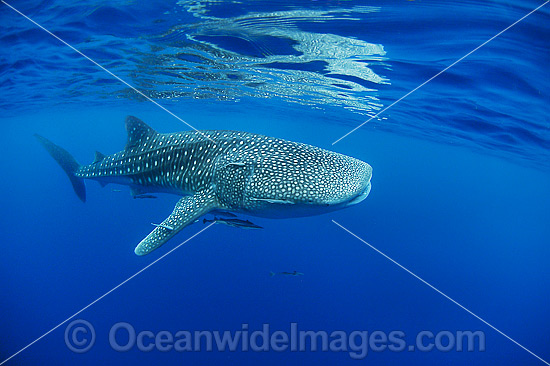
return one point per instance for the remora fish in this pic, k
(144, 196)
(222, 170)
(163, 226)
(244, 224)
(294, 273)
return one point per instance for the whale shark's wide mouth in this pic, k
(361, 196)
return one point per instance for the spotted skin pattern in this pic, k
(187, 210)
(229, 170)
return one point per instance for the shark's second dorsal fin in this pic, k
(137, 131)
(98, 157)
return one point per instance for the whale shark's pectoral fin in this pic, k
(187, 210)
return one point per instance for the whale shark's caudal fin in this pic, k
(68, 163)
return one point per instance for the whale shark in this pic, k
(222, 170)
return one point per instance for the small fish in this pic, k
(163, 226)
(144, 196)
(294, 273)
(244, 224)
(116, 190)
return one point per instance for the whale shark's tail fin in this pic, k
(68, 163)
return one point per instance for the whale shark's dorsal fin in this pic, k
(137, 131)
(98, 157)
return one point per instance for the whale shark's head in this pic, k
(347, 182)
(354, 187)
(302, 180)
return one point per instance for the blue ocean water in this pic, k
(461, 176)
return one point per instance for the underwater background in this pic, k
(460, 189)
